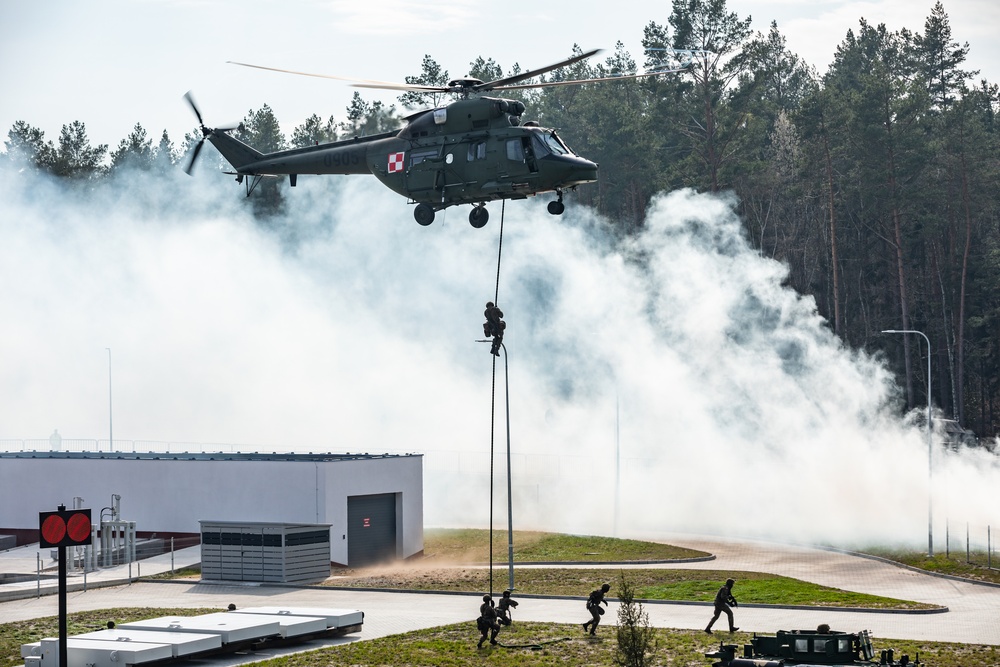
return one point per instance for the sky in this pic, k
(671, 383)
(114, 63)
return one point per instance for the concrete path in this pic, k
(973, 616)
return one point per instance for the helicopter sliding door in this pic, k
(425, 176)
(520, 163)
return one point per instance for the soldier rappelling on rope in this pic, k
(494, 327)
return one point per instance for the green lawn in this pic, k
(455, 645)
(649, 583)
(547, 645)
(953, 564)
(466, 546)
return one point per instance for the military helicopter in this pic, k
(472, 151)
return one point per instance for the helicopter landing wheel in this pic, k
(423, 214)
(556, 207)
(479, 216)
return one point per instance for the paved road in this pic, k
(973, 616)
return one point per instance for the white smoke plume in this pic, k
(674, 377)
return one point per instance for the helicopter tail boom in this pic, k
(235, 151)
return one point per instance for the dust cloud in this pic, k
(670, 383)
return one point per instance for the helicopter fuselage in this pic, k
(470, 152)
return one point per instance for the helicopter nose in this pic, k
(577, 170)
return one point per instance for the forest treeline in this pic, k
(875, 182)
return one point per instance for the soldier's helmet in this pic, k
(489, 304)
(730, 582)
(486, 598)
(506, 594)
(606, 587)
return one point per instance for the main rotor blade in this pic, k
(373, 83)
(288, 71)
(576, 82)
(503, 83)
(404, 86)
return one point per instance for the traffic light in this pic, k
(64, 528)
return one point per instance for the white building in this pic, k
(374, 504)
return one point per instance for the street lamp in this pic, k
(930, 514)
(111, 432)
(510, 512)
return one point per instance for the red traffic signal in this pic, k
(64, 528)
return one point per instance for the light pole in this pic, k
(510, 511)
(111, 431)
(618, 466)
(930, 450)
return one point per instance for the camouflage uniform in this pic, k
(503, 608)
(487, 621)
(494, 326)
(723, 599)
(594, 607)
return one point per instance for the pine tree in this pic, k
(636, 638)
(135, 151)
(431, 74)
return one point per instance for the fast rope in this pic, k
(493, 392)
(534, 646)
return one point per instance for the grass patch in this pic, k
(467, 546)
(650, 584)
(13, 635)
(455, 646)
(954, 565)
(192, 572)
(556, 645)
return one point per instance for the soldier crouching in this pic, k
(487, 621)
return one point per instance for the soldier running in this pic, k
(487, 621)
(723, 599)
(594, 607)
(503, 608)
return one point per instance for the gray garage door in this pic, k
(371, 529)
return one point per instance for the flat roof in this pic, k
(311, 457)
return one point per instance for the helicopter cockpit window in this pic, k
(514, 151)
(541, 148)
(555, 144)
(441, 116)
(477, 151)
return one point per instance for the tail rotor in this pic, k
(205, 131)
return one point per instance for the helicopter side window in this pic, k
(477, 151)
(515, 152)
(416, 157)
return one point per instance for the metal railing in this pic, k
(119, 445)
(973, 543)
